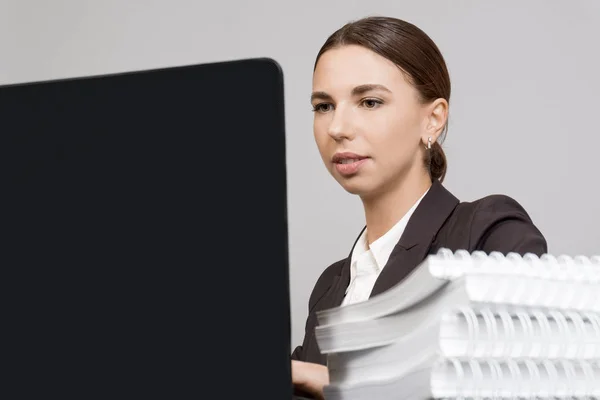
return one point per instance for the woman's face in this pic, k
(369, 125)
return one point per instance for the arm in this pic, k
(319, 291)
(501, 224)
(309, 378)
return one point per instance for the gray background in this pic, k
(524, 111)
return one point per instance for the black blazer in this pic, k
(493, 223)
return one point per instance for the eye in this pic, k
(371, 103)
(323, 107)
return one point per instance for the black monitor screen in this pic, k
(148, 210)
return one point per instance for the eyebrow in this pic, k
(359, 90)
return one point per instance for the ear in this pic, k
(435, 120)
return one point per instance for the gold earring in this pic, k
(429, 143)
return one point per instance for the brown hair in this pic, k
(414, 53)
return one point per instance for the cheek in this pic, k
(396, 140)
(321, 137)
(389, 132)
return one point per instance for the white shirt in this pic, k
(367, 262)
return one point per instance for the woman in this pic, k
(381, 94)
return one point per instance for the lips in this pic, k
(348, 164)
(347, 158)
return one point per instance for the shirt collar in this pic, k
(383, 246)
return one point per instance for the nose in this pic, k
(340, 127)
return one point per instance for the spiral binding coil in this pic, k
(563, 282)
(509, 378)
(450, 265)
(493, 332)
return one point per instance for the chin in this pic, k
(356, 186)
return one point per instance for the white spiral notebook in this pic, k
(483, 326)
(564, 282)
(482, 379)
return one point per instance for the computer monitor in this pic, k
(148, 212)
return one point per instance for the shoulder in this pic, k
(500, 223)
(324, 282)
(492, 208)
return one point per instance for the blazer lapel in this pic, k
(413, 246)
(340, 282)
(336, 292)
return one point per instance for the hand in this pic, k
(310, 377)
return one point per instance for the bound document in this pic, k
(487, 325)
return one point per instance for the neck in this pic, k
(384, 210)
